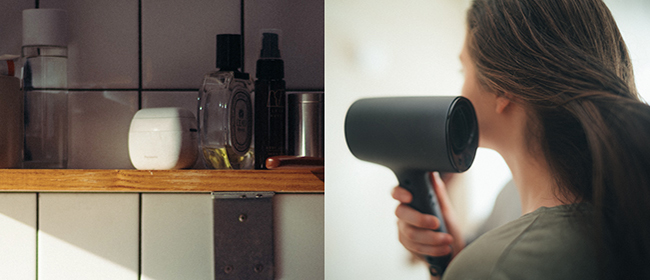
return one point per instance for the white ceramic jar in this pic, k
(163, 138)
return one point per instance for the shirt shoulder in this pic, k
(549, 243)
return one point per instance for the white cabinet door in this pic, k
(88, 236)
(299, 236)
(18, 236)
(177, 237)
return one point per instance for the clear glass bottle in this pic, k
(225, 110)
(45, 54)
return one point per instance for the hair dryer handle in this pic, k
(425, 201)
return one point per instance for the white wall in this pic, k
(393, 48)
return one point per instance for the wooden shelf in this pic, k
(131, 180)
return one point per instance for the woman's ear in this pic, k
(502, 102)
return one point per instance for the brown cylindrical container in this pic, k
(306, 124)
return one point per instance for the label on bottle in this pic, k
(276, 123)
(276, 98)
(241, 121)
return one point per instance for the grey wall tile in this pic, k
(157, 99)
(103, 42)
(11, 25)
(302, 41)
(178, 39)
(99, 128)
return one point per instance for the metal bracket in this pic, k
(243, 235)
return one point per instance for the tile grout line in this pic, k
(139, 235)
(139, 54)
(37, 6)
(140, 107)
(243, 39)
(37, 230)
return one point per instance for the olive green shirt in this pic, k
(545, 244)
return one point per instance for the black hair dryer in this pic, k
(414, 136)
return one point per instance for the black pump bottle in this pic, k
(270, 102)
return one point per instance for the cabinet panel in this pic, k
(177, 238)
(18, 236)
(88, 236)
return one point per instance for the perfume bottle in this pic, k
(225, 110)
(44, 73)
(270, 102)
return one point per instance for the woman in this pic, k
(553, 88)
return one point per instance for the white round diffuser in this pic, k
(163, 138)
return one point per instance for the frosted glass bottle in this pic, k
(225, 110)
(45, 83)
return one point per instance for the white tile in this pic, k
(103, 42)
(18, 236)
(11, 20)
(302, 41)
(99, 128)
(88, 236)
(177, 240)
(178, 39)
(299, 236)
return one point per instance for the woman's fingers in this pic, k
(415, 218)
(448, 212)
(440, 189)
(402, 195)
(416, 229)
(424, 241)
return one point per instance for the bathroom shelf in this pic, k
(131, 180)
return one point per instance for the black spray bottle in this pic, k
(270, 108)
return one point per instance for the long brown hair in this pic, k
(567, 63)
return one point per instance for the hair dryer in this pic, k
(414, 136)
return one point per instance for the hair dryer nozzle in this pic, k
(436, 133)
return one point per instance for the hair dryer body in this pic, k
(414, 136)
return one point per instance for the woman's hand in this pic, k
(416, 229)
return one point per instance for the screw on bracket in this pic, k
(243, 217)
(228, 269)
